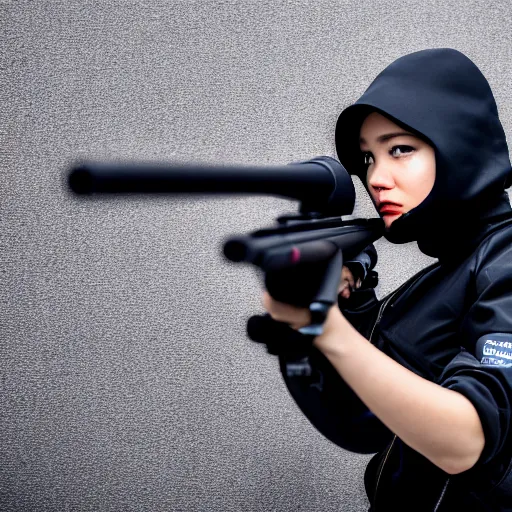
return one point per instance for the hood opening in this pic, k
(441, 97)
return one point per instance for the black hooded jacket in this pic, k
(452, 322)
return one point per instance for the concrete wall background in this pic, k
(127, 381)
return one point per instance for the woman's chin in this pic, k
(389, 219)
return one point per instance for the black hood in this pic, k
(442, 97)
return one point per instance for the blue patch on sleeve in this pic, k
(495, 349)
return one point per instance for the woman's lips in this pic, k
(389, 209)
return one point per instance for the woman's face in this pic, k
(401, 167)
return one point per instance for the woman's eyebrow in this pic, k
(386, 136)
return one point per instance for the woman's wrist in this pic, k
(336, 327)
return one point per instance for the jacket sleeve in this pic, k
(327, 401)
(482, 371)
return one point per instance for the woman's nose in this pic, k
(380, 177)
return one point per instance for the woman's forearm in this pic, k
(439, 423)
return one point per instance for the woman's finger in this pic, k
(346, 292)
(282, 312)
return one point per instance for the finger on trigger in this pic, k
(343, 285)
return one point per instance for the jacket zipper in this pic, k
(442, 494)
(381, 467)
(402, 288)
(406, 285)
(381, 310)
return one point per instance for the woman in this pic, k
(424, 376)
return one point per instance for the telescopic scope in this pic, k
(321, 184)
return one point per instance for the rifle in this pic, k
(302, 257)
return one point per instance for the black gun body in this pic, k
(302, 261)
(275, 249)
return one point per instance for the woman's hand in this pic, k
(300, 317)
(347, 283)
(297, 318)
(281, 312)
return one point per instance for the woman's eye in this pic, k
(400, 150)
(368, 158)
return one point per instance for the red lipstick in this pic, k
(389, 208)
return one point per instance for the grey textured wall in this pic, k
(127, 381)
